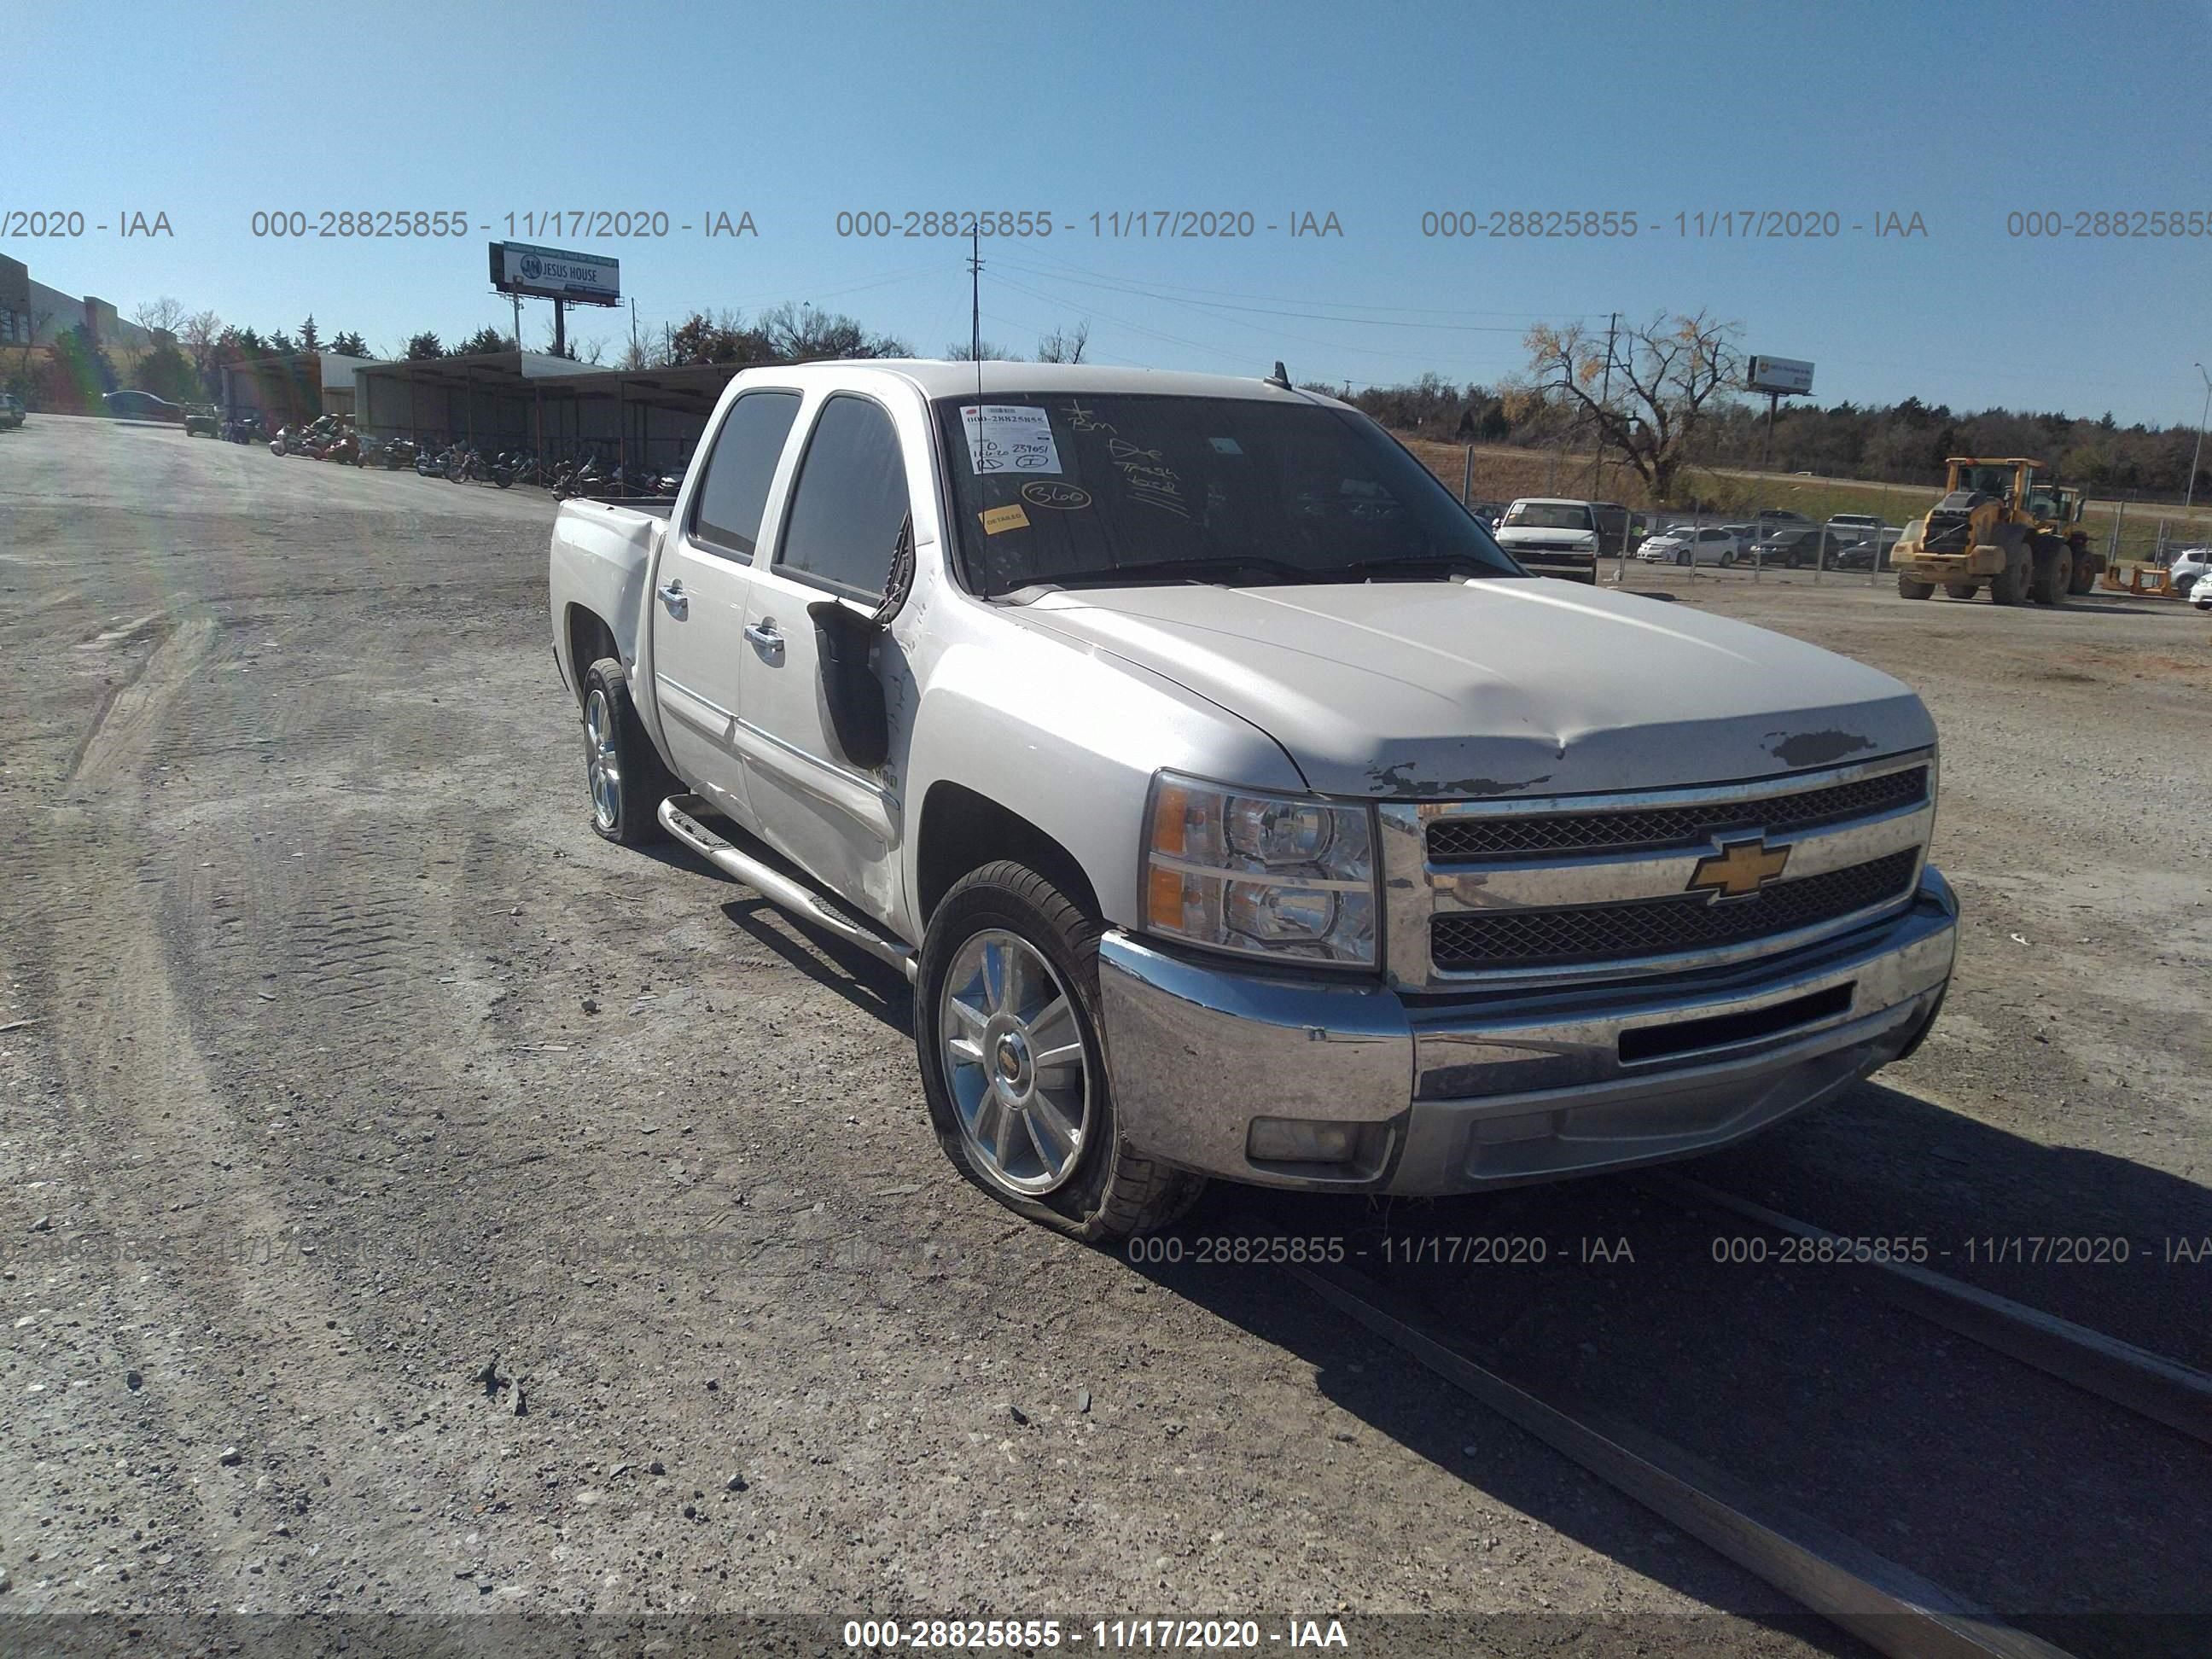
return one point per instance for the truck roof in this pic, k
(938, 378)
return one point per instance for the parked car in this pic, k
(1854, 555)
(203, 420)
(1792, 547)
(11, 411)
(2186, 570)
(1777, 517)
(1244, 812)
(1682, 544)
(130, 405)
(1556, 536)
(1868, 527)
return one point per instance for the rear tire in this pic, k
(2087, 567)
(624, 772)
(2052, 567)
(1008, 1125)
(1962, 590)
(1909, 589)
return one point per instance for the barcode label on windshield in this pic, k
(1009, 438)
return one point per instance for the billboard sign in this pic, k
(548, 273)
(1790, 376)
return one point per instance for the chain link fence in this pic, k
(1759, 526)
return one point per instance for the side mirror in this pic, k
(845, 642)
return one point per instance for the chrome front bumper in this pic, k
(1469, 1092)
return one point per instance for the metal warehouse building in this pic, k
(498, 400)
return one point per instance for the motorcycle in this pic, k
(345, 449)
(431, 463)
(396, 452)
(243, 428)
(316, 439)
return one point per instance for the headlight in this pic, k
(1270, 875)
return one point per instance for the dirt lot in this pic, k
(410, 1203)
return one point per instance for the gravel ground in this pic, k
(412, 1203)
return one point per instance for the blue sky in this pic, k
(1377, 113)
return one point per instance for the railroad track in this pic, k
(1833, 1573)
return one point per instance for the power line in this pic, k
(1142, 292)
(1271, 333)
(1347, 305)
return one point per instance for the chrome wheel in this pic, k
(602, 761)
(1015, 1063)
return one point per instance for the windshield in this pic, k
(1081, 489)
(1547, 515)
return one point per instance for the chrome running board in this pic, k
(787, 892)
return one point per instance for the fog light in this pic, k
(1301, 1141)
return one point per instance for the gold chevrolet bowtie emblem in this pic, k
(1739, 868)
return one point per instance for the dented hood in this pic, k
(1499, 687)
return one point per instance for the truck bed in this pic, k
(600, 553)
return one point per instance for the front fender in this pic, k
(1069, 739)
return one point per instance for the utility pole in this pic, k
(975, 294)
(2190, 494)
(1604, 399)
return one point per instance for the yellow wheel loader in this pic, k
(2001, 526)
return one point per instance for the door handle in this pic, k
(765, 638)
(678, 601)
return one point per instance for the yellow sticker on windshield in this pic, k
(1004, 518)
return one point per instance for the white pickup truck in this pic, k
(1235, 806)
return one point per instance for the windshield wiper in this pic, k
(1196, 570)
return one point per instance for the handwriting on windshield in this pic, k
(1147, 477)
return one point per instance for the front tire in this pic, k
(625, 774)
(1909, 589)
(1014, 1067)
(2010, 585)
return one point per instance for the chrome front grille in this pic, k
(1685, 922)
(1471, 840)
(1586, 888)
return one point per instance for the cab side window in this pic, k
(733, 492)
(850, 500)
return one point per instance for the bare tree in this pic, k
(1643, 391)
(960, 351)
(162, 316)
(1065, 345)
(802, 333)
(198, 334)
